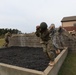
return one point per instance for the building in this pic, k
(69, 23)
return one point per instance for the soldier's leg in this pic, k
(50, 48)
(51, 52)
(52, 56)
(6, 43)
(45, 49)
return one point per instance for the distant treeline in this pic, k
(12, 31)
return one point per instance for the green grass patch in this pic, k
(69, 65)
(1, 42)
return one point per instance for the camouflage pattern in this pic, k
(63, 37)
(46, 42)
(7, 36)
(54, 36)
(58, 36)
(55, 40)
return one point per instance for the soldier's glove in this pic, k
(37, 27)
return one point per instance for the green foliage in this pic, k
(69, 65)
(12, 31)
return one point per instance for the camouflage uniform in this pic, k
(64, 36)
(46, 42)
(53, 35)
(59, 40)
(7, 36)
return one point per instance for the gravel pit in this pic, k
(26, 57)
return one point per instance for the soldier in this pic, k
(7, 36)
(46, 41)
(53, 35)
(63, 36)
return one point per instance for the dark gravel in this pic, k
(27, 57)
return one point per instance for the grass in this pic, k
(69, 65)
(1, 42)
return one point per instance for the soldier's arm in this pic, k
(37, 32)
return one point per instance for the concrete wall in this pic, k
(29, 40)
(6, 69)
(67, 24)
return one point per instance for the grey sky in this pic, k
(26, 14)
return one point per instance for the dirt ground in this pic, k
(27, 57)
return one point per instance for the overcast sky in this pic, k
(25, 15)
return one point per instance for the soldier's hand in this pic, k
(51, 27)
(37, 27)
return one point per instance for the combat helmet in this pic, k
(43, 26)
(53, 25)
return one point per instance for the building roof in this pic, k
(70, 18)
